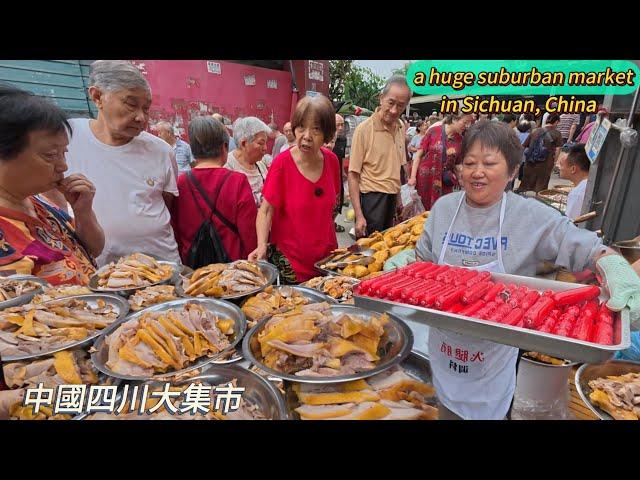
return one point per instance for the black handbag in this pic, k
(207, 247)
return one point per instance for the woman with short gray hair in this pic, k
(211, 192)
(134, 172)
(250, 135)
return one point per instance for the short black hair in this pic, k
(508, 118)
(553, 118)
(23, 112)
(496, 135)
(524, 126)
(577, 155)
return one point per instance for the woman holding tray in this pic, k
(485, 228)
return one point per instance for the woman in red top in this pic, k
(299, 196)
(428, 167)
(229, 191)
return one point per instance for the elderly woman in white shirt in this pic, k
(250, 135)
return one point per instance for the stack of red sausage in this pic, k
(574, 313)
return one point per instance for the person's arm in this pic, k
(246, 217)
(168, 200)
(79, 192)
(572, 131)
(424, 246)
(170, 190)
(263, 227)
(354, 194)
(356, 160)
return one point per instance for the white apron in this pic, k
(475, 379)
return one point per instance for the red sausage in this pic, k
(473, 308)
(570, 297)
(538, 312)
(513, 318)
(493, 291)
(475, 292)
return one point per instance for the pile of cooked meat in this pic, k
(152, 296)
(316, 342)
(11, 288)
(61, 291)
(271, 302)
(221, 280)
(390, 395)
(40, 328)
(69, 367)
(158, 342)
(619, 396)
(133, 271)
(339, 287)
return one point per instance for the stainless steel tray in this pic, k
(258, 390)
(311, 293)
(416, 365)
(126, 292)
(532, 340)
(100, 354)
(269, 271)
(121, 305)
(588, 372)
(25, 298)
(354, 280)
(398, 346)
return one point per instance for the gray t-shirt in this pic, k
(532, 232)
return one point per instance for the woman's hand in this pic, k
(79, 192)
(259, 253)
(412, 181)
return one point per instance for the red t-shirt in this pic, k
(235, 202)
(302, 227)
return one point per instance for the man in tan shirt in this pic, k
(377, 155)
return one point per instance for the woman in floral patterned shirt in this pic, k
(429, 167)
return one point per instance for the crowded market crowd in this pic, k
(76, 194)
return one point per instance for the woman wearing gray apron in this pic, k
(485, 228)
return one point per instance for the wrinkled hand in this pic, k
(361, 227)
(259, 253)
(400, 260)
(79, 192)
(623, 284)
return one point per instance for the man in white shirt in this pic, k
(574, 166)
(134, 171)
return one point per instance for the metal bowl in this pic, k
(399, 341)
(416, 365)
(100, 355)
(588, 372)
(258, 390)
(127, 292)
(121, 305)
(27, 297)
(268, 270)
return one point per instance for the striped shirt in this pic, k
(565, 123)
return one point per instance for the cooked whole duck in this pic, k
(133, 271)
(38, 328)
(220, 280)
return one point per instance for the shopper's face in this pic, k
(309, 136)
(166, 135)
(394, 103)
(288, 132)
(485, 175)
(39, 167)
(563, 166)
(125, 112)
(255, 150)
(339, 125)
(461, 125)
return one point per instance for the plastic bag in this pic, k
(411, 202)
(633, 352)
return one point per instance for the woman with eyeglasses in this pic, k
(295, 221)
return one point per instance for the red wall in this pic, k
(183, 89)
(308, 79)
